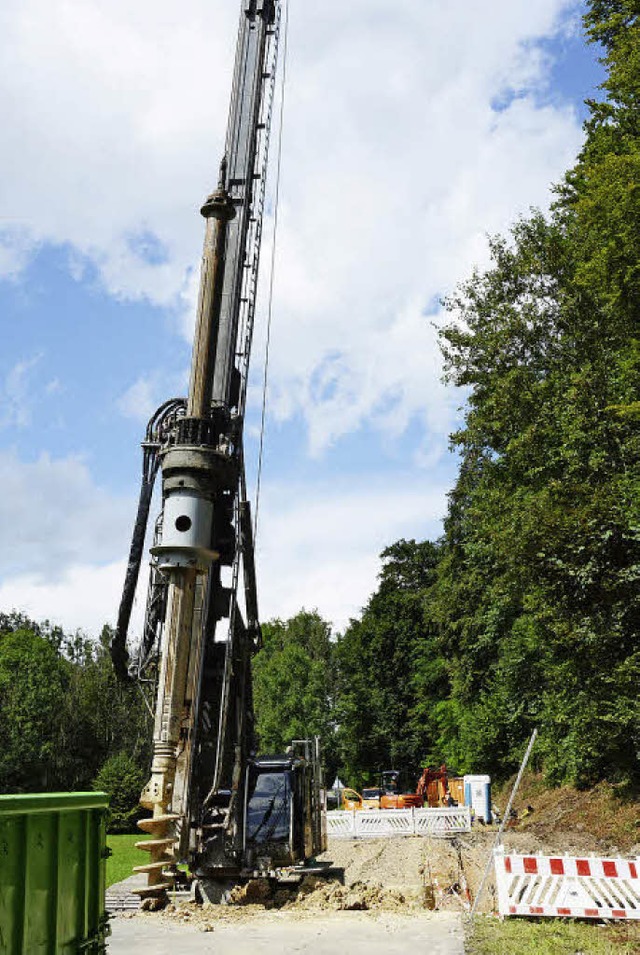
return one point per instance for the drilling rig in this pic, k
(214, 803)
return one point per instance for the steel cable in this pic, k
(265, 379)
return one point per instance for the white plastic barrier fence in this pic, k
(385, 823)
(567, 886)
(340, 825)
(438, 822)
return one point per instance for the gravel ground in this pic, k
(449, 867)
(391, 888)
(358, 933)
(448, 871)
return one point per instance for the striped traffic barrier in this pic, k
(567, 886)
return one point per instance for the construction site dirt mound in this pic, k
(318, 894)
(604, 819)
(405, 875)
(399, 876)
(313, 897)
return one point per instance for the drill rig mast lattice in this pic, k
(195, 634)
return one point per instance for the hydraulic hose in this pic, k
(157, 434)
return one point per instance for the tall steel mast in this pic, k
(203, 731)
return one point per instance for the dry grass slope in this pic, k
(605, 818)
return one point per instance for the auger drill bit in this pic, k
(160, 870)
(158, 795)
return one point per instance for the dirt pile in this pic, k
(412, 874)
(450, 870)
(604, 819)
(436, 872)
(312, 897)
(204, 917)
(317, 894)
(383, 875)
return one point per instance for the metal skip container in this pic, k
(52, 874)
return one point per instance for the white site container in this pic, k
(477, 795)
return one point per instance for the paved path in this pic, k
(353, 932)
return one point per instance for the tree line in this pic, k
(537, 600)
(66, 722)
(526, 612)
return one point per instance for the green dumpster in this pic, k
(52, 874)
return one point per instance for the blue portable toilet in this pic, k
(477, 795)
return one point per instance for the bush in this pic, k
(123, 780)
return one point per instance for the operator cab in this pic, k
(390, 782)
(284, 811)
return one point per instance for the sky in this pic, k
(412, 130)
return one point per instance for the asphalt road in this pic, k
(282, 934)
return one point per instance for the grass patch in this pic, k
(489, 936)
(124, 856)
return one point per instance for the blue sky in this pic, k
(395, 167)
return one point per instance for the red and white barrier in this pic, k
(557, 886)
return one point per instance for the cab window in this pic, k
(269, 807)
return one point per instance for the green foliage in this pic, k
(123, 780)
(62, 711)
(388, 667)
(294, 684)
(105, 715)
(34, 682)
(537, 599)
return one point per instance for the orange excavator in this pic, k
(435, 788)
(392, 798)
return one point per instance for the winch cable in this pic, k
(272, 271)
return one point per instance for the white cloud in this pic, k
(318, 546)
(16, 249)
(380, 237)
(412, 130)
(53, 516)
(63, 544)
(54, 387)
(63, 541)
(138, 401)
(148, 392)
(396, 163)
(107, 130)
(16, 394)
(83, 597)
